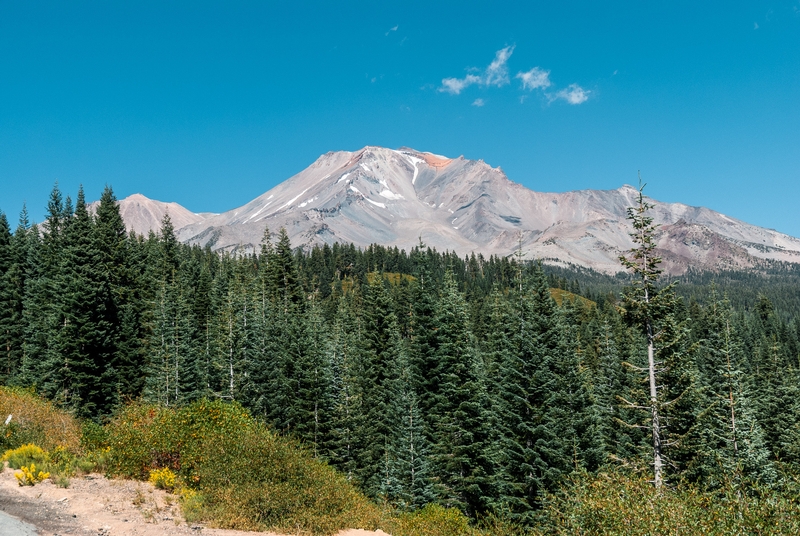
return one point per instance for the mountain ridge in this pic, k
(397, 197)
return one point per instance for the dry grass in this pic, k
(37, 421)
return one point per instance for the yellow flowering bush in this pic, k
(163, 479)
(29, 477)
(24, 455)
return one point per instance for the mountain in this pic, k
(397, 197)
(143, 215)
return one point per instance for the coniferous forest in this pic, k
(425, 377)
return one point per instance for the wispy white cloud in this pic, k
(496, 74)
(755, 26)
(535, 78)
(538, 78)
(573, 94)
(393, 29)
(454, 86)
(497, 71)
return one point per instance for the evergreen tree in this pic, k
(41, 315)
(731, 445)
(422, 344)
(84, 343)
(550, 423)
(111, 268)
(646, 305)
(14, 282)
(381, 354)
(408, 484)
(461, 466)
(347, 416)
(7, 366)
(615, 381)
(314, 384)
(135, 294)
(673, 397)
(172, 370)
(777, 403)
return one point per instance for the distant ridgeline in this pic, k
(470, 382)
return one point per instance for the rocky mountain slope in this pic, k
(396, 197)
(143, 215)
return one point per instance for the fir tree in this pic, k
(381, 354)
(347, 412)
(84, 343)
(14, 299)
(671, 390)
(314, 384)
(408, 484)
(731, 445)
(7, 365)
(550, 423)
(461, 467)
(111, 268)
(172, 371)
(615, 381)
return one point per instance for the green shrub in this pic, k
(239, 474)
(93, 436)
(619, 503)
(433, 520)
(62, 462)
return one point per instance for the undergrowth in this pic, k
(230, 471)
(621, 503)
(238, 473)
(35, 420)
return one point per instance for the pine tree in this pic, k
(314, 384)
(461, 467)
(381, 354)
(614, 381)
(111, 268)
(422, 346)
(14, 283)
(282, 341)
(652, 310)
(731, 445)
(235, 334)
(347, 417)
(41, 317)
(776, 396)
(408, 484)
(6, 307)
(135, 301)
(550, 422)
(172, 370)
(84, 343)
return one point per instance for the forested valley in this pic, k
(424, 377)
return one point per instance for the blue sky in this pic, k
(212, 104)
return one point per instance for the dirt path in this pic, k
(94, 505)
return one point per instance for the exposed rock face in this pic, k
(396, 197)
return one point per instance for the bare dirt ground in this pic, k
(94, 505)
